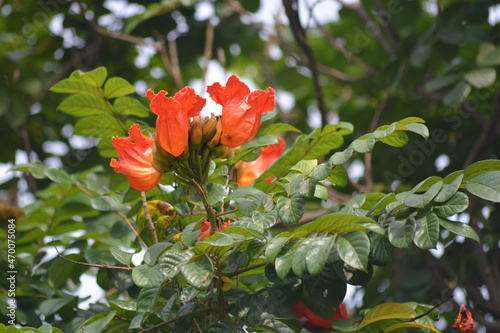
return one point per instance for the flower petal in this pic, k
(172, 124)
(135, 155)
(190, 101)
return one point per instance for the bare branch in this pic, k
(291, 9)
(487, 134)
(91, 265)
(207, 51)
(148, 217)
(358, 7)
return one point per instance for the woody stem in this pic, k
(148, 217)
(202, 191)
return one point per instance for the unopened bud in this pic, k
(223, 151)
(161, 158)
(209, 127)
(195, 132)
(216, 138)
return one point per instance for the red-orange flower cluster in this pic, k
(135, 154)
(179, 131)
(248, 172)
(241, 110)
(172, 124)
(464, 322)
(314, 322)
(206, 229)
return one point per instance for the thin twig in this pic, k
(165, 323)
(132, 228)
(207, 51)
(176, 69)
(487, 135)
(368, 157)
(358, 7)
(88, 264)
(341, 49)
(291, 9)
(148, 217)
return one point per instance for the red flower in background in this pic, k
(464, 322)
(248, 172)
(241, 110)
(135, 155)
(172, 124)
(206, 229)
(315, 323)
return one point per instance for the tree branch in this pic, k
(291, 9)
(91, 265)
(148, 217)
(487, 134)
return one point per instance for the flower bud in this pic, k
(223, 151)
(209, 127)
(161, 158)
(216, 138)
(195, 132)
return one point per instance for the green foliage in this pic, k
(311, 232)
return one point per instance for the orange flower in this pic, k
(464, 322)
(315, 323)
(135, 155)
(206, 229)
(241, 110)
(172, 124)
(248, 172)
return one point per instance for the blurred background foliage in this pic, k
(370, 63)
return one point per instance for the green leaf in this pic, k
(128, 106)
(459, 228)
(275, 245)
(382, 250)
(341, 157)
(481, 78)
(261, 141)
(116, 87)
(451, 184)
(396, 139)
(75, 86)
(456, 204)
(152, 253)
(417, 128)
(98, 322)
(82, 105)
(411, 324)
(106, 148)
(290, 210)
(145, 276)
(354, 249)
(107, 128)
(442, 81)
(321, 172)
(387, 311)
(338, 176)
(147, 299)
(401, 232)
(171, 261)
(491, 59)
(318, 253)
(123, 257)
(426, 231)
(199, 273)
(95, 77)
(480, 167)
(59, 176)
(485, 186)
(50, 306)
(422, 200)
(324, 142)
(457, 94)
(364, 144)
(277, 128)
